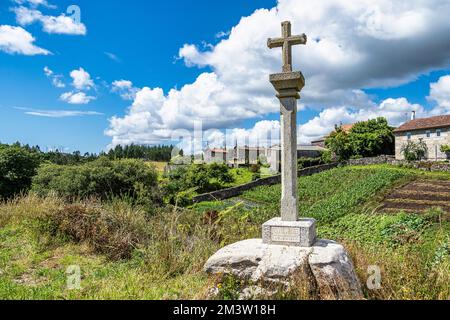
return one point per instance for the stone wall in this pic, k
(238, 190)
(371, 161)
(421, 165)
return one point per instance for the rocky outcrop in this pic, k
(326, 266)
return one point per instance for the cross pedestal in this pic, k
(289, 229)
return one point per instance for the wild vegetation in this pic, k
(126, 252)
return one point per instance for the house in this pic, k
(321, 142)
(434, 131)
(237, 156)
(216, 155)
(303, 151)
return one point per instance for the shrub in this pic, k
(17, 168)
(102, 178)
(415, 151)
(114, 231)
(255, 168)
(200, 178)
(327, 156)
(309, 162)
(446, 149)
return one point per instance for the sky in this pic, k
(89, 75)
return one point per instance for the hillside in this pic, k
(169, 248)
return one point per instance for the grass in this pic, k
(169, 249)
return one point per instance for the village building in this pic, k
(434, 131)
(303, 151)
(237, 156)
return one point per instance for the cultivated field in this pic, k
(419, 196)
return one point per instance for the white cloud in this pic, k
(112, 56)
(16, 40)
(352, 45)
(55, 78)
(81, 79)
(61, 24)
(440, 93)
(58, 113)
(125, 88)
(76, 98)
(35, 3)
(396, 111)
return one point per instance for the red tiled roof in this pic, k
(425, 123)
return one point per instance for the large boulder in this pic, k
(326, 267)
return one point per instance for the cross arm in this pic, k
(293, 40)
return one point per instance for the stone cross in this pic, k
(288, 230)
(287, 41)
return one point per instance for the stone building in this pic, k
(303, 151)
(237, 156)
(435, 132)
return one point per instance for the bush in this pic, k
(255, 168)
(327, 156)
(102, 178)
(17, 168)
(114, 231)
(200, 178)
(415, 151)
(309, 162)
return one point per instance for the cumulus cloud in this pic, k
(125, 88)
(35, 3)
(353, 45)
(440, 93)
(61, 24)
(16, 40)
(76, 98)
(55, 78)
(81, 79)
(396, 111)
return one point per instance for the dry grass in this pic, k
(404, 274)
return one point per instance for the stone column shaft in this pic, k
(289, 163)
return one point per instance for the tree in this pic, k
(338, 143)
(366, 139)
(372, 138)
(17, 168)
(415, 151)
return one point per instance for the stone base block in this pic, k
(326, 267)
(301, 233)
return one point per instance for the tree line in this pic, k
(160, 153)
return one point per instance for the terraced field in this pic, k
(419, 196)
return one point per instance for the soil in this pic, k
(419, 196)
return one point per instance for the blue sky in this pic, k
(215, 77)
